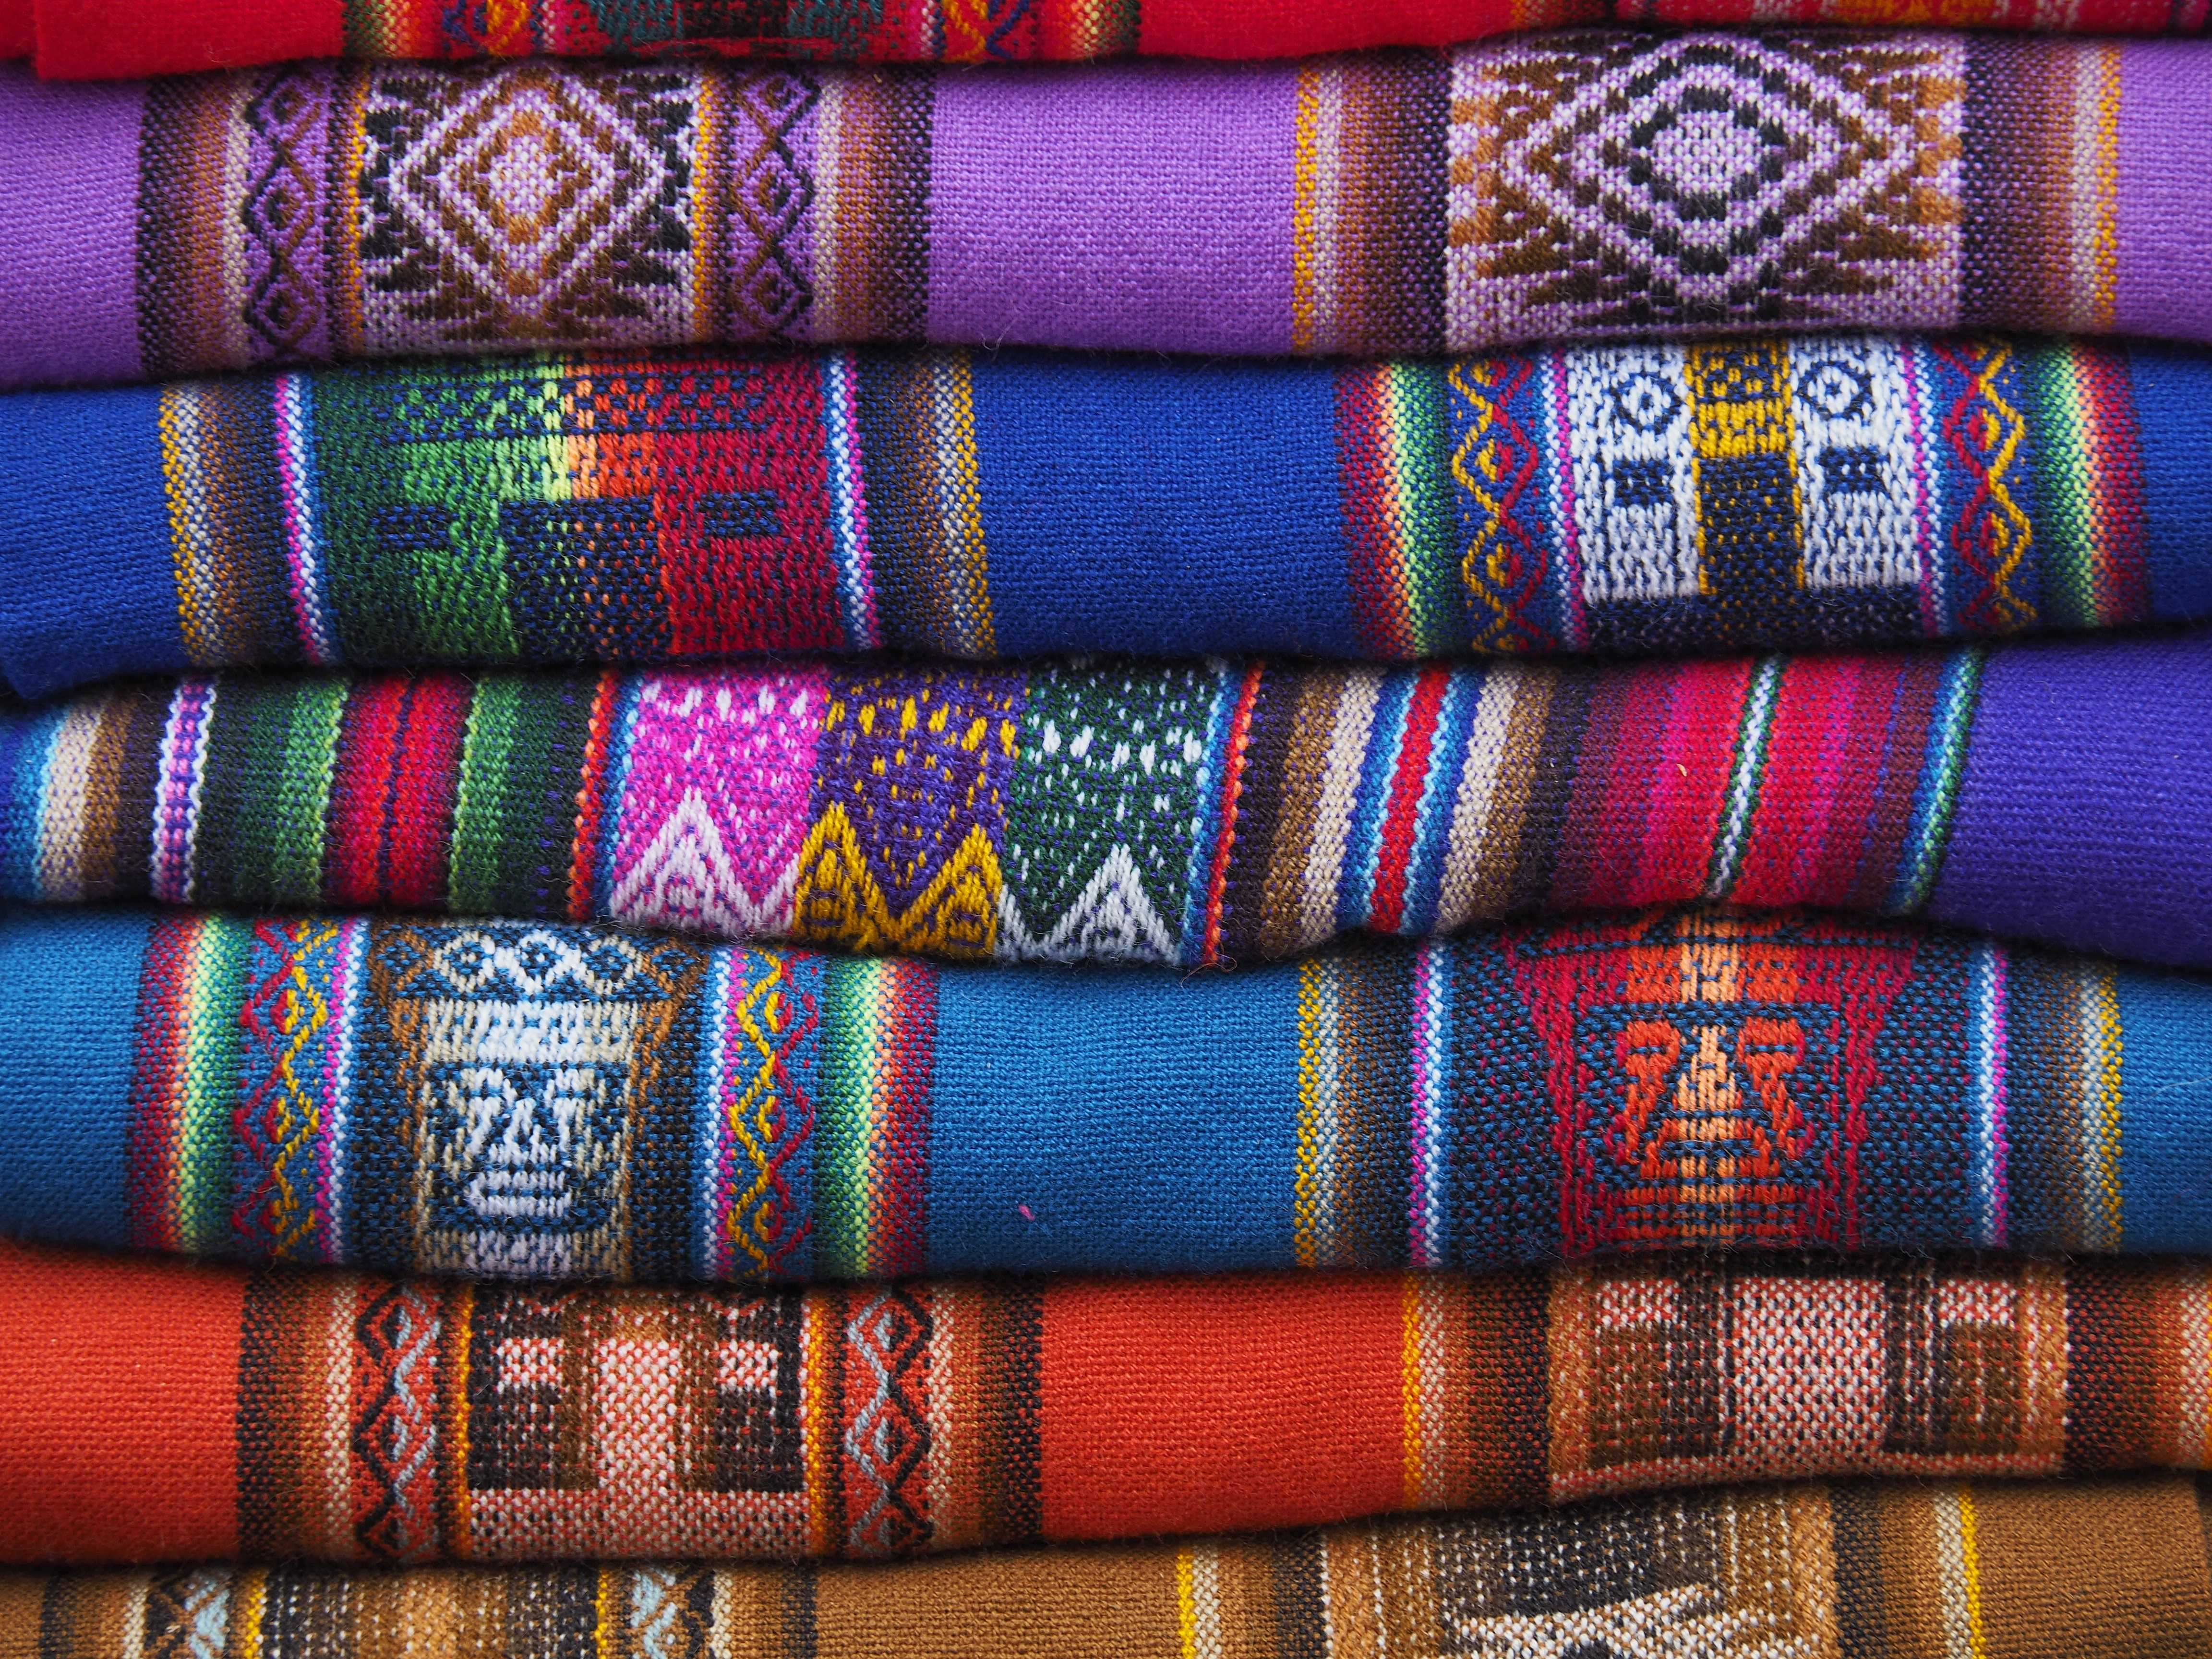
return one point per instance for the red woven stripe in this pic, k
(1402, 820)
(419, 826)
(1240, 731)
(902, 1244)
(157, 1081)
(1806, 750)
(1688, 782)
(354, 866)
(2121, 580)
(591, 797)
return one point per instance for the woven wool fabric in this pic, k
(81, 38)
(1195, 814)
(1767, 493)
(1874, 1570)
(98, 38)
(1545, 186)
(167, 1411)
(508, 1099)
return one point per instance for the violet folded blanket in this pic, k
(1581, 183)
(561, 1100)
(1195, 814)
(1761, 492)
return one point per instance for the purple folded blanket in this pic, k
(1592, 183)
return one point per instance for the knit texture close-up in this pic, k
(1106, 830)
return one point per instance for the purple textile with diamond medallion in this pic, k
(1593, 183)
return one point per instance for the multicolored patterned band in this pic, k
(1195, 814)
(508, 1099)
(1190, 814)
(98, 38)
(1873, 1570)
(1399, 205)
(335, 1416)
(1767, 493)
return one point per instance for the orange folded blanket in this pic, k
(161, 1411)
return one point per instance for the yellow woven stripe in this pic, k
(969, 625)
(197, 603)
(1970, 1556)
(818, 1415)
(249, 1606)
(1186, 1601)
(461, 1313)
(2101, 1126)
(2096, 165)
(1315, 1098)
(705, 206)
(1306, 185)
(1959, 1573)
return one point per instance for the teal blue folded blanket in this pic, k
(569, 1100)
(1769, 493)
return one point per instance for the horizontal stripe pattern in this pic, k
(195, 33)
(1802, 1564)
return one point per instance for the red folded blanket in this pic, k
(79, 39)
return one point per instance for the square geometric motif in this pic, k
(627, 1423)
(1673, 1375)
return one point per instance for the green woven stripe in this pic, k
(210, 1084)
(1942, 769)
(531, 797)
(479, 823)
(301, 809)
(266, 790)
(1425, 504)
(2064, 543)
(853, 995)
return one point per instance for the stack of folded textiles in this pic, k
(1432, 966)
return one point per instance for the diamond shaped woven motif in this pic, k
(1627, 184)
(518, 203)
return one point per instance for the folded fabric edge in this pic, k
(689, 505)
(158, 1410)
(86, 39)
(512, 1099)
(1889, 1569)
